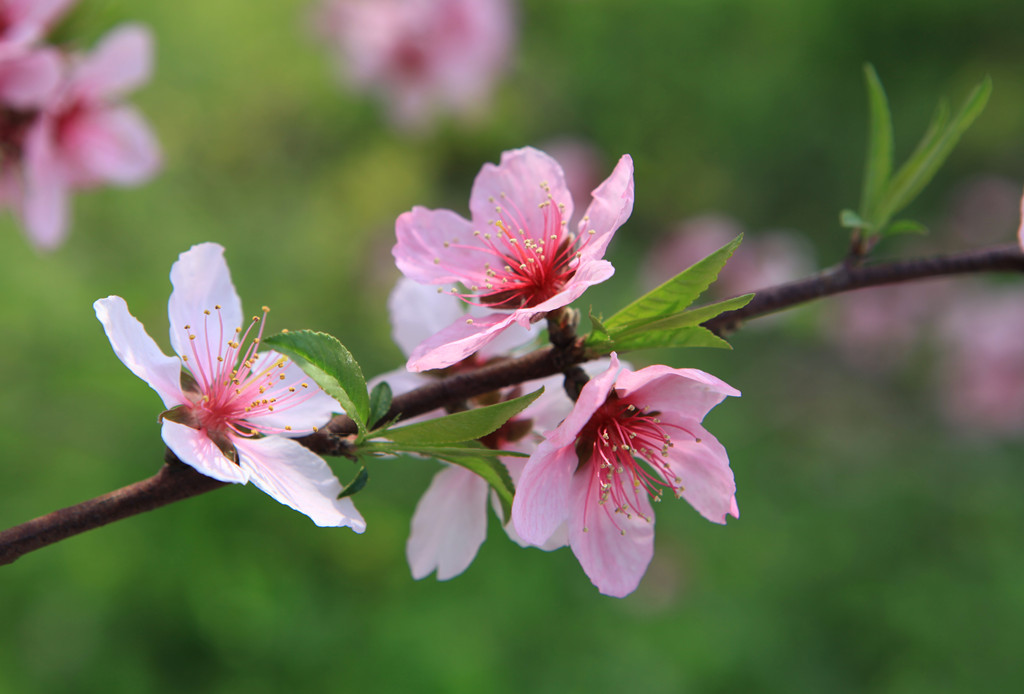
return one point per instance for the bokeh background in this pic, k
(880, 545)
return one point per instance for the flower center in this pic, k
(231, 385)
(627, 448)
(527, 266)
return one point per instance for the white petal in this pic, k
(194, 447)
(137, 350)
(418, 311)
(202, 282)
(297, 477)
(449, 525)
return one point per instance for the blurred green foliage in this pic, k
(877, 550)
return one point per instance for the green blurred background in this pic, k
(878, 549)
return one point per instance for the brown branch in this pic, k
(176, 481)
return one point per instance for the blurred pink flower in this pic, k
(27, 81)
(981, 374)
(517, 254)
(421, 57)
(84, 138)
(983, 209)
(763, 259)
(630, 437)
(24, 22)
(231, 414)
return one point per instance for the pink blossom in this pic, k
(83, 137)
(516, 257)
(1020, 231)
(27, 81)
(981, 366)
(421, 56)
(232, 412)
(23, 22)
(630, 437)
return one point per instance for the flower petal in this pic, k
(701, 463)
(194, 447)
(45, 207)
(123, 61)
(456, 342)
(417, 311)
(523, 180)
(588, 273)
(137, 350)
(202, 282)
(28, 80)
(305, 410)
(613, 549)
(297, 477)
(438, 246)
(541, 502)
(449, 525)
(592, 396)
(109, 145)
(611, 206)
(690, 392)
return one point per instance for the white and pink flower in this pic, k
(84, 136)
(24, 22)
(517, 256)
(632, 436)
(422, 57)
(232, 413)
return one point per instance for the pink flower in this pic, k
(84, 138)
(1020, 231)
(421, 56)
(27, 81)
(231, 412)
(517, 256)
(23, 22)
(631, 436)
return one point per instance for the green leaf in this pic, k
(355, 485)
(330, 365)
(465, 448)
(461, 426)
(674, 295)
(905, 226)
(380, 403)
(934, 148)
(598, 325)
(691, 336)
(849, 219)
(878, 164)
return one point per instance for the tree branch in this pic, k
(176, 481)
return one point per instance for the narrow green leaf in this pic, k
(380, 403)
(932, 151)
(878, 163)
(676, 294)
(849, 219)
(684, 319)
(598, 325)
(691, 336)
(355, 485)
(905, 226)
(465, 448)
(330, 365)
(461, 426)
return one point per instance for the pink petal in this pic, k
(313, 409)
(690, 392)
(519, 184)
(109, 145)
(297, 477)
(201, 282)
(707, 479)
(123, 61)
(611, 206)
(613, 550)
(541, 503)
(417, 311)
(137, 350)
(456, 342)
(593, 395)
(45, 208)
(449, 525)
(41, 12)
(1020, 231)
(588, 273)
(193, 447)
(438, 246)
(29, 80)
